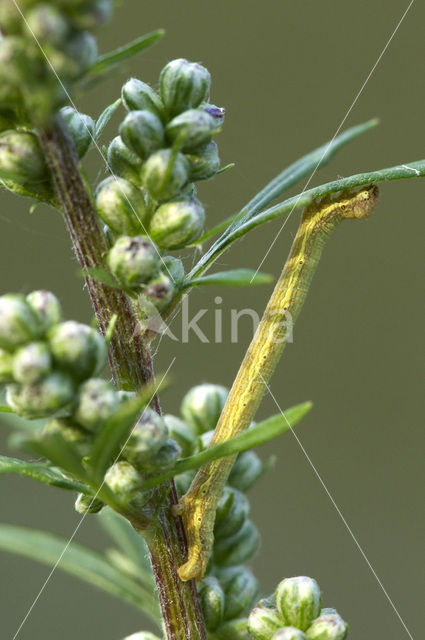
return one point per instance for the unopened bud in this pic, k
(166, 457)
(43, 398)
(298, 601)
(159, 291)
(133, 261)
(215, 112)
(289, 633)
(121, 206)
(240, 587)
(182, 434)
(123, 162)
(6, 366)
(232, 511)
(233, 630)
(47, 307)
(234, 550)
(122, 478)
(80, 128)
(47, 24)
(21, 157)
(264, 622)
(18, 322)
(97, 401)
(164, 174)
(183, 85)
(71, 433)
(174, 268)
(142, 132)
(147, 437)
(202, 405)
(204, 162)
(191, 129)
(139, 96)
(79, 54)
(88, 504)
(212, 600)
(247, 469)
(32, 362)
(328, 626)
(176, 223)
(78, 348)
(90, 14)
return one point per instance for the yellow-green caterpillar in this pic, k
(198, 506)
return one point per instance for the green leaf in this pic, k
(101, 275)
(59, 452)
(131, 543)
(290, 176)
(410, 170)
(234, 278)
(104, 118)
(78, 561)
(253, 437)
(5, 409)
(127, 51)
(113, 435)
(22, 424)
(41, 472)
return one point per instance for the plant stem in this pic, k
(199, 505)
(131, 367)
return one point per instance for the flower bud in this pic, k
(159, 291)
(212, 600)
(191, 129)
(133, 261)
(139, 96)
(123, 162)
(146, 439)
(232, 511)
(176, 223)
(78, 348)
(165, 458)
(122, 206)
(80, 53)
(46, 23)
(233, 630)
(174, 268)
(47, 307)
(328, 626)
(215, 112)
(19, 63)
(6, 366)
(88, 504)
(142, 635)
(125, 396)
(43, 398)
(183, 85)
(142, 132)
(164, 174)
(80, 128)
(237, 548)
(298, 601)
(289, 633)
(18, 322)
(21, 157)
(263, 623)
(240, 587)
(97, 401)
(71, 433)
(122, 478)
(202, 405)
(204, 162)
(182, 434)
(32, 362)
(91, 14)
(247, 469)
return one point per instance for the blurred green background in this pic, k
(287, 72)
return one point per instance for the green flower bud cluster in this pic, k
(165, 145)
(295, 613)
(58, 31)
(22, 164)
(229, 588)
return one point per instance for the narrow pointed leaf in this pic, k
(22, 424)
(60, 453)
(5, 409)
(290, 176)
(41, 472)
(254, 437)
(78, 561)
(104, 118)
(410, 170)
(127, 51)
(234, 278)
(101, 275)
